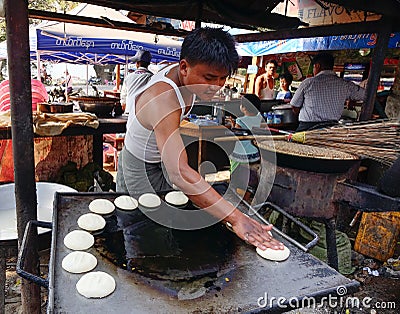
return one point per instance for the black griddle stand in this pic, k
(251, 277)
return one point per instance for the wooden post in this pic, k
(252, 77)
(118, 77)
(376, 69)
(17, 31)
(2, 278)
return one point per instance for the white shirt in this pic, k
(322, 97)
(140, 141)
(132, 83)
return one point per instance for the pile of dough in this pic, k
(126, 202)
(149, 200)
(78, 240)
(177, 198)
(79, 262)
(91, 222)
(101, 206)
(96, 284)
(274, 255)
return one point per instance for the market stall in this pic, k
(21, 127)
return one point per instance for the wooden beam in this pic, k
(107, 23)
(316, 31)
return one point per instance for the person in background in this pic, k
(245, 158)
(154, 155)
(124, 90)
(319, 100)
(285, 79)
(68, 82)
(43, 73)
(137, 79)
(265, 83)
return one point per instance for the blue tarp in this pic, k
(313, 44)
(100, 50)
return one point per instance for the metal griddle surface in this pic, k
(250, 278)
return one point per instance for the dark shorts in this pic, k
(136, 176)
(304, 126)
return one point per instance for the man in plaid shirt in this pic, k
(319, 100)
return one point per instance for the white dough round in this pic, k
(96, 284)
(177, 198)
(101, 206)
(149, 200)
(79, 262)
(78, 240)
(91, 222)
(274, 255)
(126, 202)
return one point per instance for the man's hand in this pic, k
(255, 233)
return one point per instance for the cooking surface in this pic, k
(237, 287)
(159, 252)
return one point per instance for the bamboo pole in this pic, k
(250, 137)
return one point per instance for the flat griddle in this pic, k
(249, 278)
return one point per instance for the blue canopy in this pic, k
(92, 50)
(84, 44)
(357, 41)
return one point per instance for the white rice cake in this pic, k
(150, 200)
(126, 202)
(78, 240)
(177, 198)
(274, 255)
(78, 262)
(101, 206)
(91, 222)
(96, 284)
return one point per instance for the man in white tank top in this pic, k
(265, 83)
(153, 141)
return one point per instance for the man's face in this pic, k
(316, 68)
(271, 69)
(203, 79)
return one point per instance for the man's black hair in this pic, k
(143, 64)
(287, 76)
(325, 60)
(251, 102)
(273, 61)
(212, 46)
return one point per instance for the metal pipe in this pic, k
(17, 31)
(253, 210)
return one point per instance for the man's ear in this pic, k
(183, 67)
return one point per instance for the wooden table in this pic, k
(106, 126)
(200, 146)
(199, 140)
